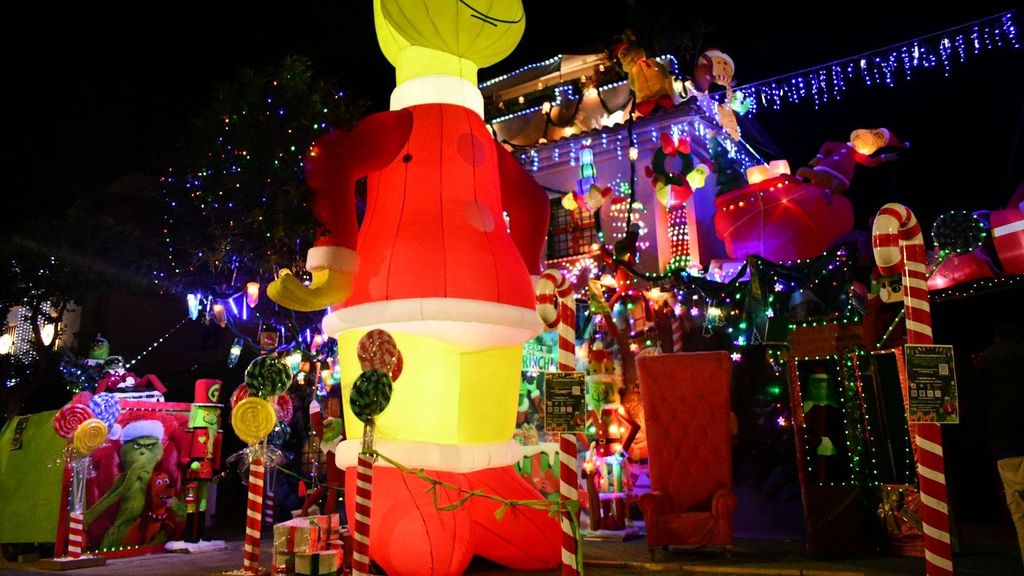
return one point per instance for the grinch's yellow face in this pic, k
(480, 31)
(868, 141)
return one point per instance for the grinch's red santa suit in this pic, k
(436, 264)
(833, 167)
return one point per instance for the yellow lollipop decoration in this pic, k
(89, 436)
(252, 419)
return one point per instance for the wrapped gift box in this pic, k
(330, 526)
(317, 563)
(1008, 236)
(283, 564)
(299, 535)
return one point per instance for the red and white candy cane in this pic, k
(361, 526)
(899, 247)
(253, 517)
(76, 535)
(568, 490)
(677, 333)
(556, 306)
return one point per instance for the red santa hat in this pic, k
(892, 140)
(141, 428)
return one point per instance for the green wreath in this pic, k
(662, 175)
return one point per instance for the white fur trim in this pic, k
(722, 55)
(331, 257)
(438, 89)
(468, 325)
(436, 457)
(141, 428)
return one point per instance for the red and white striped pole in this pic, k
(568, 489)
(899, 247)
(677, 333)
(268, 517)
(554, 287)
(253, 519)
(361, 532)
(268, 498)
(76, 535)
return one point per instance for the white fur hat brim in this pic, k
(141, 428)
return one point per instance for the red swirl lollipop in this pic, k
(240, 393)
(67, 419)
(283, 407)
(377, 351)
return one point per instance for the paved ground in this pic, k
(988, 554)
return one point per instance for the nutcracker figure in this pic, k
(203, 457)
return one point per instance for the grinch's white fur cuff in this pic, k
(331, 257)
(432, 456)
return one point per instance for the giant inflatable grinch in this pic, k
(435, 263)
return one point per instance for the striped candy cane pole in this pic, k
(551, 287)
(677, 333)
(899, 247)
(361, 532)
(76, 535)
(268, 517)
(268, 498)
(568, 489)
(253, 517)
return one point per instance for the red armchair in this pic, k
(687, 410)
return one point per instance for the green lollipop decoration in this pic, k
(268, 376)
(370, 395)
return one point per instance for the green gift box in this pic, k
(317, 564)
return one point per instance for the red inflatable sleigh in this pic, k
(782, 218)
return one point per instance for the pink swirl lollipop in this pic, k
(67, 419)
(377, 350)
(240, 393)
(283, 407)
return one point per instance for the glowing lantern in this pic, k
(252, 294)
(193, 301)
(234, 352)
(779, 167)
(294, 359)
(47, 332)
(220, 316)
(759, 173)
(6, 344)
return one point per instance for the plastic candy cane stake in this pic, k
(254, 515)
(677, 333)
(361, 532)
(899, 247)
(568, 488)
(553, 288)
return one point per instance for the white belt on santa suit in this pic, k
(433, 456)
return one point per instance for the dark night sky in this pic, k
(106, 90)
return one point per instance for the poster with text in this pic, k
(565, 405)
(931, 384)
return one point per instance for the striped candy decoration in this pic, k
(677, 333)
(268, 518)
(556, 306)
(253, 516)
(361, 526)
(568, 488)
(899, 247)
(76, 535)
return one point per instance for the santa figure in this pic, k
(832, 168)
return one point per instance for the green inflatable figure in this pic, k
(141, 451)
